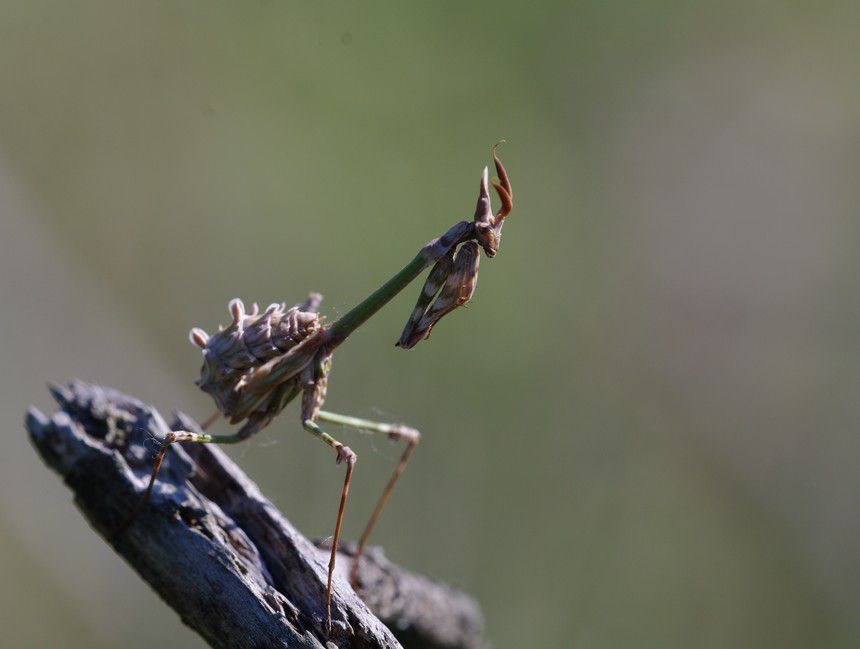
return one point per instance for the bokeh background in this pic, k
(644, 431)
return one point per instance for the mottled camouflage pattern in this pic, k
(251, 343)
(453, 278)
(314, 381)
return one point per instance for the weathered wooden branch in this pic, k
(220, 554)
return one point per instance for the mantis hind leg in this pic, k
(170, 438)
(394, 432)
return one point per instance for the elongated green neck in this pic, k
(428, 255)
(357, 316)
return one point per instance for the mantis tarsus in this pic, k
(261, 361)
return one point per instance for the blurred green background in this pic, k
(644, 431)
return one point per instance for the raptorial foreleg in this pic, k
(452, 281)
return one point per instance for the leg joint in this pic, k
(399, 431)
(345, 454)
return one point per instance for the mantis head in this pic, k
(488, 226)
(453, 279)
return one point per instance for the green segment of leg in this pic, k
(186, 436)
(427, 256)
(394, 431)
(203, 438)
(320, 434)
(359, 424)
(173, 436)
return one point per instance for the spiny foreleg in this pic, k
(453, 278)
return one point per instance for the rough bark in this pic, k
(220, 554)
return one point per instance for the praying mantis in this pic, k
(261, 362)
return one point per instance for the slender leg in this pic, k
(344, 453)
(174, 436)
(394, 432)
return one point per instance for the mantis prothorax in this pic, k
(261, 361)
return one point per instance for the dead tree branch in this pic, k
(220, 554)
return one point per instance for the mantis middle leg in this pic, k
(394, 432)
